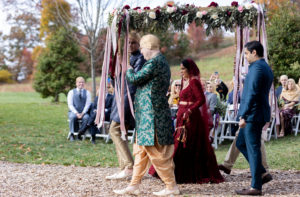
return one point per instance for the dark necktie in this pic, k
(80, 94)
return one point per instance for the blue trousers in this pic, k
(248, 142)
(73, 120)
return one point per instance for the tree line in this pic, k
(50, 42)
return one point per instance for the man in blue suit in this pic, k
(254, 112)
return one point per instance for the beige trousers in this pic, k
(234, 152)
(123, 153)
(161, 157)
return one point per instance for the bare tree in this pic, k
(90, 16)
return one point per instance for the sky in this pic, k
(4, 27)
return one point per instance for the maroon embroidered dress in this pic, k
(195, 160)
(194, 157)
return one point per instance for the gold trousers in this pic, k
(124, 155)
(161, 157)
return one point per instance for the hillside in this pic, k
(220, 60)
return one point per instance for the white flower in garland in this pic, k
(171, 9)
(152, 15)
(214, 16)
(248, 6)
(199, 14)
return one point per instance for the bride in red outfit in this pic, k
(194, 157)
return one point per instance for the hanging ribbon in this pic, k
(246, 40)
(237, 68)
(113, 33)
(100, 117)
(120, 83)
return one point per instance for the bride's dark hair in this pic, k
(191, 66)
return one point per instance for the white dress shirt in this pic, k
(87, 102)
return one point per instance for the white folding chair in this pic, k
(296, 121)
(216, 129)
(226, 123)
(271, 130)
(76, 130)
(104, 131)
(131, 136)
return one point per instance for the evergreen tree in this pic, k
(57, 66)
(284, 42)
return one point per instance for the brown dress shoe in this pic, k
(250, 192)
(224, 169)
(267, 178)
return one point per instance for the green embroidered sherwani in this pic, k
(152, 113)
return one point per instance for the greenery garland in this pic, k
(160, 18)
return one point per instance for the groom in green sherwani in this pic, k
(154, 140)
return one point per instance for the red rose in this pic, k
(234, 4)
(127, 7)
(213, 4)
(136, 8)
(228, 13)
(157, 12)
(147, 8)
(187, 5)
(184, 12)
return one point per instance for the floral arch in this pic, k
(238, 18)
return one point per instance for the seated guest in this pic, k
(283, 80)
(288, 99)
(79, 101)
(211, 97)
(175, 90)
(93, 112)
(230, 95)
(221, 87)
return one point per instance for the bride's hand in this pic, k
(186, 115)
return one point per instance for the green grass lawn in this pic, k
(34, 130)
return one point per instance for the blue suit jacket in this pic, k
(254, 106)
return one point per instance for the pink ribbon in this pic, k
(100, 117)
(120, 81)
(246, 39)
(237, 69)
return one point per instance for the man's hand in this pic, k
(79, 115)
(242, 123)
